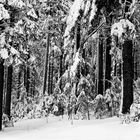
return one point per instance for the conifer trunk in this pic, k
(100, 66)
(46, 63)
(61, 70)
(127, 76)
(108, 64)
(51, 77)
(1, 92)
(77, 46)
(19, 83)
(8, 92)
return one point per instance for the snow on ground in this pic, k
(56, 129)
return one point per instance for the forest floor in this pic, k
(62, 129)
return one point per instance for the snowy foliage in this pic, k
(14, 51)
(18, 27)
(73, 68)
(2, 40)
(73, 15)
(56, 50)
(121, 27)
(87, 7)
(93, 10)
(67, 86)
(3, 13)
(4, 53)
(16, 3)
(32, 13)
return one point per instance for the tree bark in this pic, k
(127, 76)
(100, 66)
(1, 92)
(8, 92)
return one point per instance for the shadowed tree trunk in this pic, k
(19, 81)
(127, 76)
(77, 46)
(46, 63)
(26, 79)
(1, 92)
(108, 64)
(51, 77)
(100, 67)
(8, 92)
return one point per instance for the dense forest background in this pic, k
(75, 57)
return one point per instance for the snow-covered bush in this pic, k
(135, 112)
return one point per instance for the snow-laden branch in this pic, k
(16, 3)
(93, 10)
(121, 27)
(73, 15)
(73, 68)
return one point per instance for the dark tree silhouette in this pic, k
(8, 92)
(1, 92)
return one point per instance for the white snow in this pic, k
(93, 10)
(16, 3)
(3, 13)
(120, 27)
(4, 53)
(58, 129)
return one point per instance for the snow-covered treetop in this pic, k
(121, 27)
(3, 13)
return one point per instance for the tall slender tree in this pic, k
(1, 92)
(46, 62)
(100, 66)
(8, 92)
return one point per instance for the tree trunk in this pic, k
(8, 92)
(1, 92)
(27, 79)
(100, 67)
(61, 70)
(108, 64)
(127, 76)
(49, 77)
(77, 46)
(78, 37)
(19, 82)
(46, 64)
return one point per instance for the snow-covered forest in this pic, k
(74, 61)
